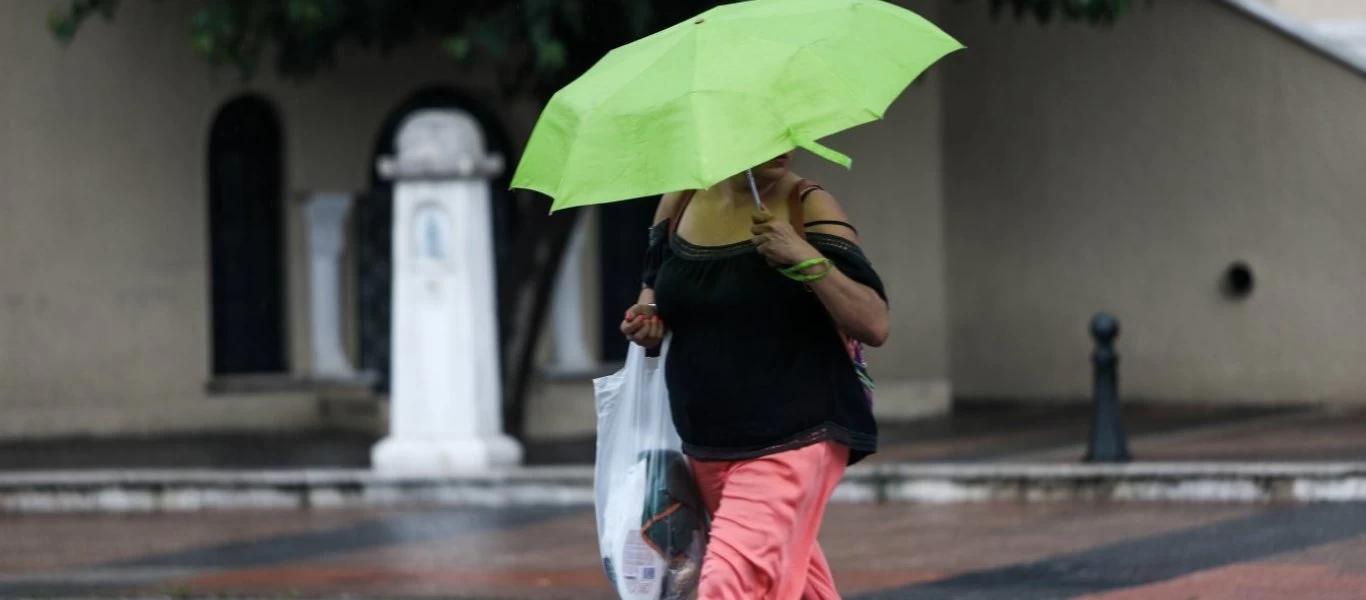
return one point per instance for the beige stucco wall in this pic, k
(1316, 10)
(1042, 174)
(894, 195)
(103, 283)
(1123, 170)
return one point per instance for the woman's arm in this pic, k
(857, 308)
(668, 204)
(640, 325)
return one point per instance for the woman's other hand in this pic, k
(643, 326)
(778, 242)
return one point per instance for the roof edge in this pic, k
(1298, 32)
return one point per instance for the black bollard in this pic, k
(1108, 443)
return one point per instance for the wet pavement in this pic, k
(1008, 551)
(981, 432)
(1096, 551)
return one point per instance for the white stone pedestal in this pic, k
(572, 352)
(445, 390)
(325, 215)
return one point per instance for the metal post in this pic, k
(1108, 443)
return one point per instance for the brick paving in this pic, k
(1348, 555)
(1015, 551)
(1095, 551)
(1258, 581)
(51, 542)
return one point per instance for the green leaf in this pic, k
(203, 43)
(457, 46)
(1043, 10)
(551, 55)
(638, 14)
(107, 8)
(294, 11)
(62, 26)
(538, 44)
(572, 13)
(496, 34)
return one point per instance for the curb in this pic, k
(194, 490)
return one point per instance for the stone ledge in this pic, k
(190, 490)
(355, 388)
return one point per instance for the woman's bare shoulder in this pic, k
(825, 215)
(668, 205)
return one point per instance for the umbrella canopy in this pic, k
(712, 96)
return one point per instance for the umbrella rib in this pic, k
(696, 114)
(652, 117)
(587, 113)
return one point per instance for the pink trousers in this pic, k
(766, 514)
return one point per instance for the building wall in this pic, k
(1124, 170)
(1317, 10)
(104, 318)
(1040, 175)
(894, 195)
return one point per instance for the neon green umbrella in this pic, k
(713, 96)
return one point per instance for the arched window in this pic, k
(246, 239)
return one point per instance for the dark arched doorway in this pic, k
(621, 260)
(246, 239)
(374, 220)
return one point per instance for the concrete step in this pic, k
(191, 490)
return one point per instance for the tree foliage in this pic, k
(1095, 12)
(536, 45)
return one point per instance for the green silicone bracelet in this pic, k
(794, 272)
(810, 278)
(806, 264)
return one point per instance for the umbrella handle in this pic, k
(758, 203)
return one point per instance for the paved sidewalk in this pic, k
(989, 433)
(974, 433)
(1007, 550)
(1156, 433)
(998, 551)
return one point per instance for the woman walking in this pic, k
(769, 405)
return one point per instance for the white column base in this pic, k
(572, 352)
(326, 214)
(443, 457)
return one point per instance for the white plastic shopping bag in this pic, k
(652, 525)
